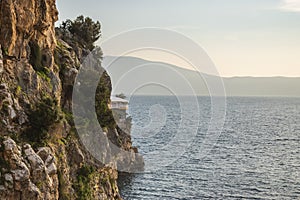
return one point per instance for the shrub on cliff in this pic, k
(83, 29)
(102, 97)
(84, 177)
(41, 118)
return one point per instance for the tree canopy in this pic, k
(84, 30)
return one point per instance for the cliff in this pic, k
(41, 155)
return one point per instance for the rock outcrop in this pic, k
(41, 155)
(27, 39)
(25, 175)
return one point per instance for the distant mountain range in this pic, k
(142, 77)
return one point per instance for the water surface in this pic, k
(257, 156)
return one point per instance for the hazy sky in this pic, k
(243, 37)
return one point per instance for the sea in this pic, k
(195, 148)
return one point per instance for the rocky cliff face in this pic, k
(27, 39)
(41, 156)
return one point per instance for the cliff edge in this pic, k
(41, 155)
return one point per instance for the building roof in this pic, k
(117, 99)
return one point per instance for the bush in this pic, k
(84, 178)
(44, 115)
(83, 29)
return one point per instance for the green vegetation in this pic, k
(41, 118)
(63, 192)
(18, 90)
(83, 29)
(102, 98)
(84, 177)
(68, 117)
(44, 76)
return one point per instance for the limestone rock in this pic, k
(36, 163)
(51, 169)
(21, 174)
(76, 154)
(26, 175)
(8, 178)
(44, 153)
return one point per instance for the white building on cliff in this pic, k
(119, 108)
(118, 103)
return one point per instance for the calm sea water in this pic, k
(257, 155)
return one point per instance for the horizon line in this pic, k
(234, 76)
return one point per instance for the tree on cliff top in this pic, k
(84, 30)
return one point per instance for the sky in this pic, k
(242, 37)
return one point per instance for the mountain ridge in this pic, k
(176, 66)
(234, 86)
